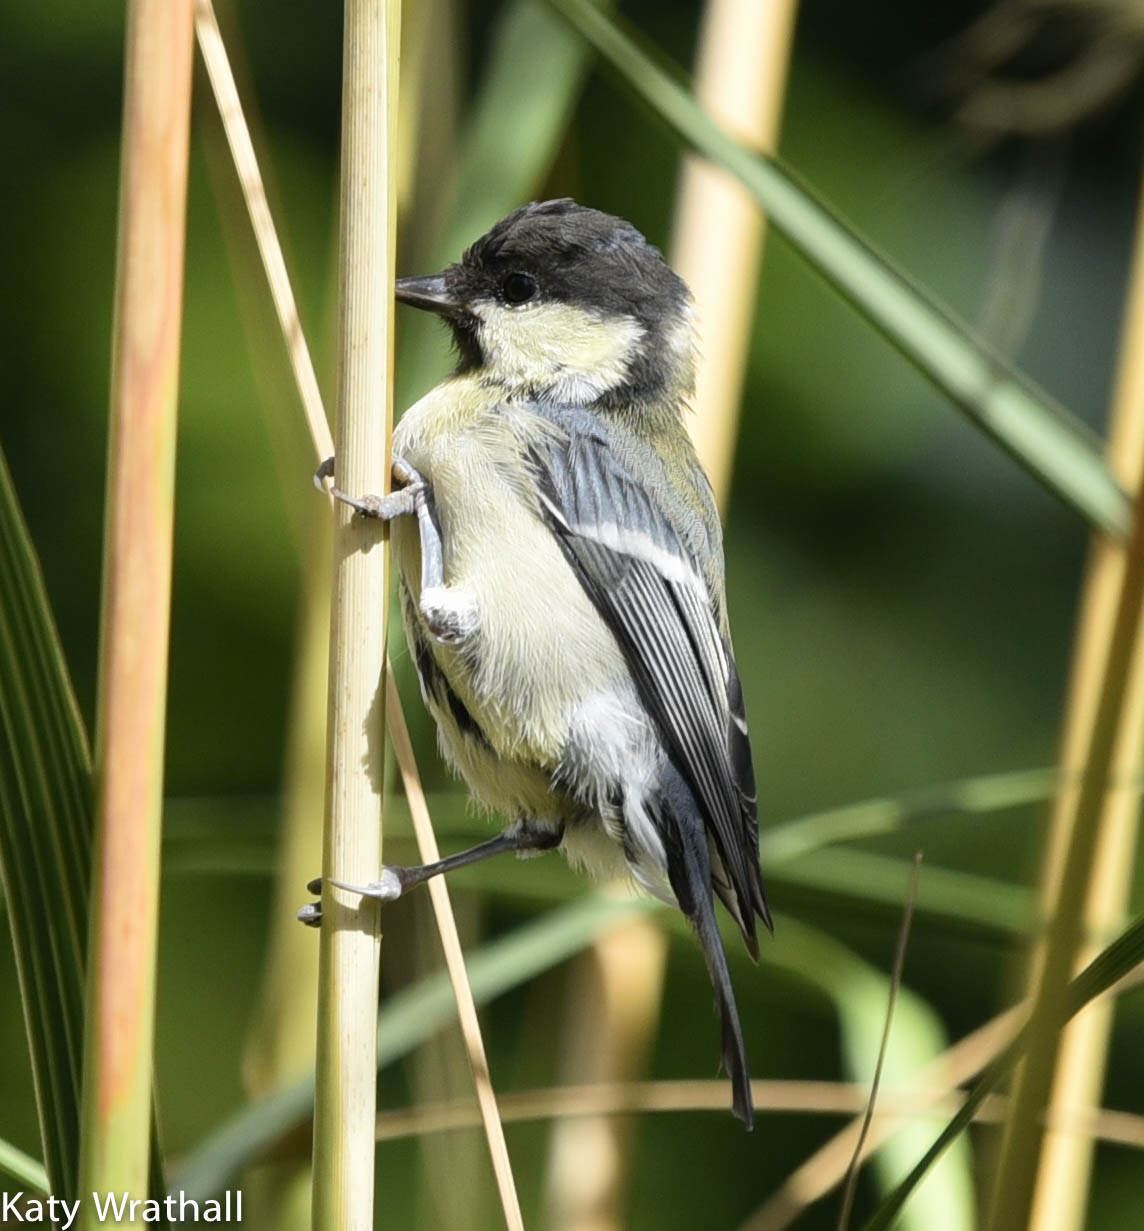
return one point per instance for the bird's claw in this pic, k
(387, 888)
(325, 471)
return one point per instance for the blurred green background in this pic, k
(903, 595)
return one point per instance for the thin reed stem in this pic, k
(132, 694)
(850, 1185)
(740, 80)
(790, 1097)
(350, 935)
(1064, 936)
(1060, 1198)
(226, 97)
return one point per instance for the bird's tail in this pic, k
(689, 870)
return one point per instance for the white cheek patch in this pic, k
(569, 353)
(681, 336)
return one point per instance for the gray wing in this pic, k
(637, 564)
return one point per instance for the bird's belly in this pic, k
(538, 648)
(549, 722)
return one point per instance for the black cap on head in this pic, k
(574, 255)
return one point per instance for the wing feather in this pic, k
(638, 566)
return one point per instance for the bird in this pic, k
(561, 578)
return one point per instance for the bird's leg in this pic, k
(447, 620)
(523, 836)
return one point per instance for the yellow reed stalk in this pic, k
(226, 97)
(744, 52)
(1065, 1168)
(1064, 936)
(614, 992)
(131, 704)
(350, 935)
(717, 246)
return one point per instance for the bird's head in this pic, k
(566, 304)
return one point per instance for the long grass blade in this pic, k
(1043, 437)
(887, 814)
(22, 1168)
(859, 993)
(826, 1168)
(45, 838)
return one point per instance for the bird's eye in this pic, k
(518, 288)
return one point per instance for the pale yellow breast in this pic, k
(543, 647)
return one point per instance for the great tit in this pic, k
(561, 576)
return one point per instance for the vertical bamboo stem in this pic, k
(116, 1116)
(350, 941)
(717, 246)
(1066, 1159)
(1117, 672)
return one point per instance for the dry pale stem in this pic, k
(349, 949)
(136, 600)
(776, 1097)
(717, 246)
(254, 193)
(1063, 1177)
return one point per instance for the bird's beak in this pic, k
(429, 293)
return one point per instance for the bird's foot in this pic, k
(412, 492)
(387, 888)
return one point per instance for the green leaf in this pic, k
(45, 828)
(46, 816)
(962, 897)
(965, 797)
(1052, 445)
(23, 1168)
(1112, 964)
